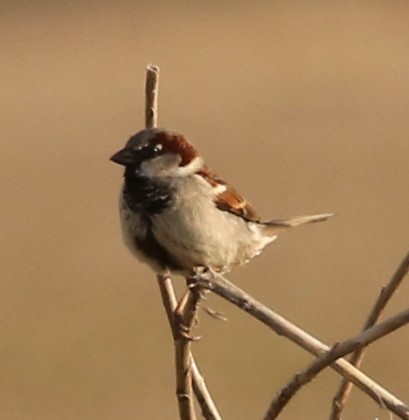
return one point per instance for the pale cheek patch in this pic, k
(214, 189)
(190, 168)
(168, 165)
(163, 165)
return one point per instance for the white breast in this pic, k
(198, 233)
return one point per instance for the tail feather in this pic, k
(297, 221)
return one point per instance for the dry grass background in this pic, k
(303, 105)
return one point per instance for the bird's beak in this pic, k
(125, 157)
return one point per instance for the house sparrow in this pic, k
(177, 215)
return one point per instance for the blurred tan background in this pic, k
(304, 106)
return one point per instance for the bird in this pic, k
(177, 215)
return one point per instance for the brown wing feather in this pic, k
(230, 200)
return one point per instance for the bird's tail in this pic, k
(275, 225)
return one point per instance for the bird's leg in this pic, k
(205, 273)
(185, 311)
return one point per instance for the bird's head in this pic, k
(157, 152)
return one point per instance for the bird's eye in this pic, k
(148, 151)
(157, 149)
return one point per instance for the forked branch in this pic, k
(338, 350)
(281, 326)
(339, 401)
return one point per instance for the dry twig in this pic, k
(281, 326)
(338, 402)
(183, 357)
(151, 96)
(182, 352)
(209, 409)
(187, 371)
(338, 350)
(184, 316)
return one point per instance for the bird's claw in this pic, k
(184, 332)
(214, 314)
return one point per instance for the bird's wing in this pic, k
(231, 201)
(228, 199)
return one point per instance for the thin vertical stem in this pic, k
(187, 371)
(151, 96)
